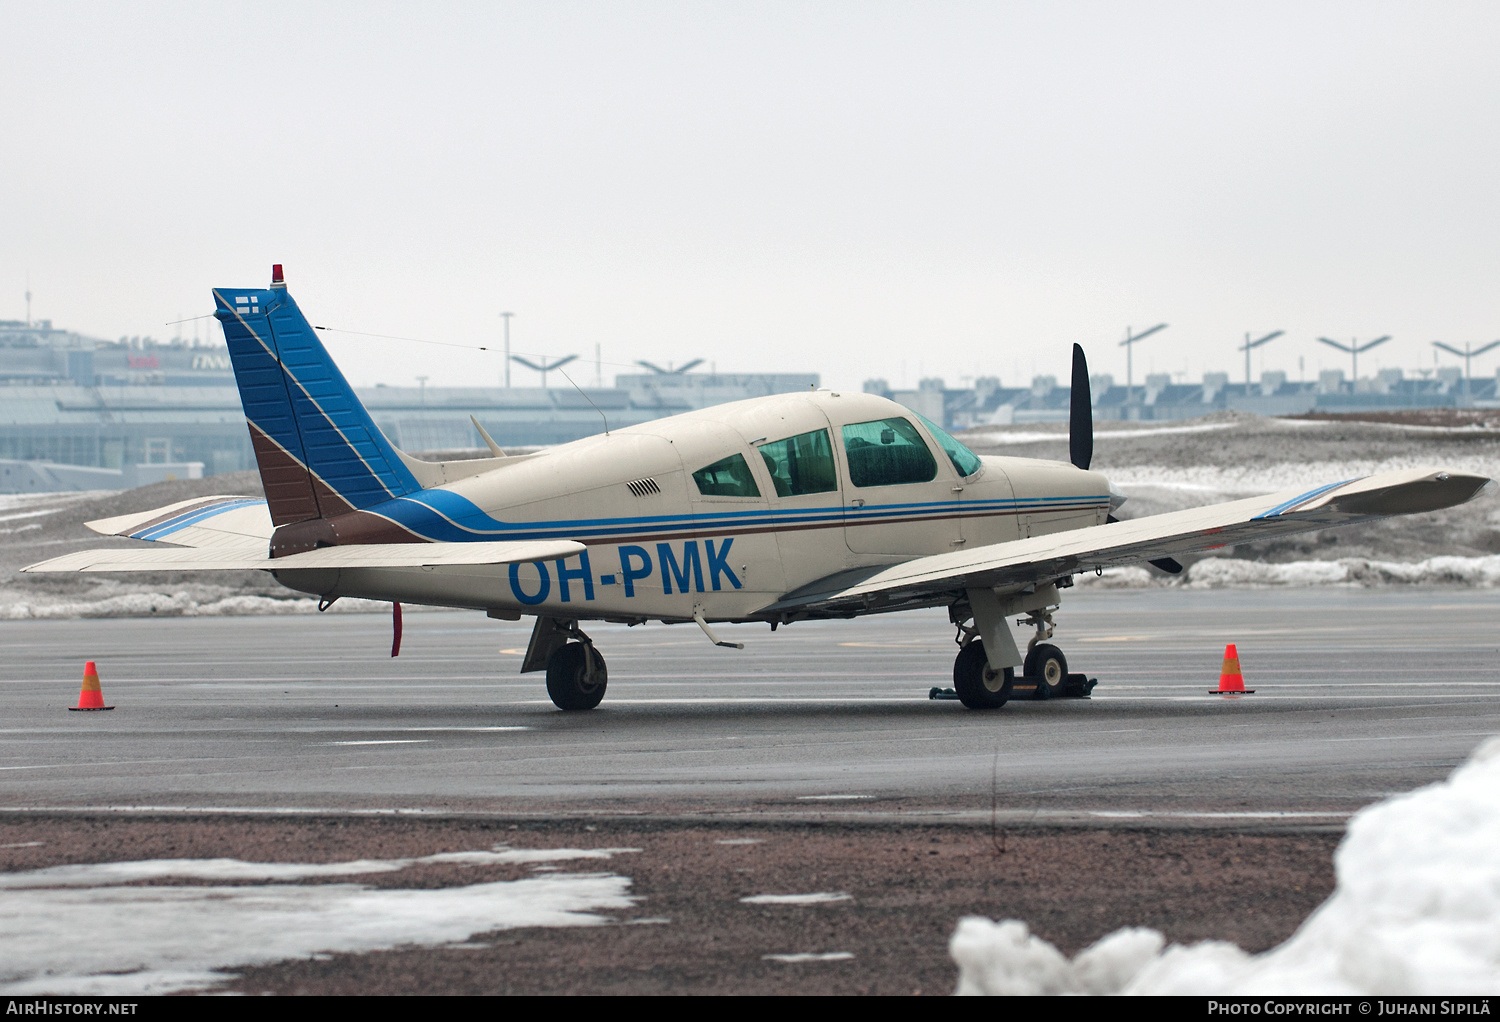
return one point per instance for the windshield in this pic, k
(964, 460)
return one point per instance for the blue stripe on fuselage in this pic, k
(446, 517)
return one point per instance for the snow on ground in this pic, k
(820, 898)
(19, 606)
(1225, 573)
(78, 930)
(1416, 911)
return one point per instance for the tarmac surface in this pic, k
(1359, 694)
(809, 766)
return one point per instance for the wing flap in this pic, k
(1041, 558)
(387, 555)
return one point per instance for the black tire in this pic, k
(977, 686)
(567, 682)
(1049, 667)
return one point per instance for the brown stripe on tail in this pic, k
(293, 492)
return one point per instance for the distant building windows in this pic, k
(728, 477)
(801, 464)
(887, 452)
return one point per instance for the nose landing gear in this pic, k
(1044, 673)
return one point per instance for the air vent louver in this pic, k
(643, 487)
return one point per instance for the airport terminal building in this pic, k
(81, 413)
(77, 412)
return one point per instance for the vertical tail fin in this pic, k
(320, 454)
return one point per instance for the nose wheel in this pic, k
(1048, 668)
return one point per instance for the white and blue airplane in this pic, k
(824, 504)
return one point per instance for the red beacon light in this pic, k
(277, 280)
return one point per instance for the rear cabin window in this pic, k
(801, 464)
(727, 478)
(964, 460)
(887, 452)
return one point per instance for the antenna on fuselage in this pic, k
(589, 400)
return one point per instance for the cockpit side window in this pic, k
(887, 452)
(801, 464)
(728, 477)
(965, 461)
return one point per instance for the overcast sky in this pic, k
(857, 189)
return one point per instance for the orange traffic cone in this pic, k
(90, 697)
(1231, 681)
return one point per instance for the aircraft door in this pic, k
(903, 498)
(807, 500)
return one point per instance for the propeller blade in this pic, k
(1450, 348)
(689, 365)
(1080, 413)
(560, 363)
(1487, 347)
(526, 362)
(1336, 344)
(1378, 340)
(1268, 337)
(654, 368)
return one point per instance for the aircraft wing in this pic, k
(926, 580)
(223, 533)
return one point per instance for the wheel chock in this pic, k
(1078, 686)
(1075, 686)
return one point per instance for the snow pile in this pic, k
(1416, 911)
(1219, 572)
(1132, 577)
(18, 607)
(1228, 572)
(74, 930)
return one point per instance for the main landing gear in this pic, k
(576, 674)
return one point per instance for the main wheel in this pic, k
(1049, 667)
(567, 677)
(978, 686)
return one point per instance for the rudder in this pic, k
(319, 452)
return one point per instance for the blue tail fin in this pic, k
(320, 453)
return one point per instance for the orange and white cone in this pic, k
(90, 697)
(1231, 681)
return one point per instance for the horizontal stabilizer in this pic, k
(223, 522)
(387, 555)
